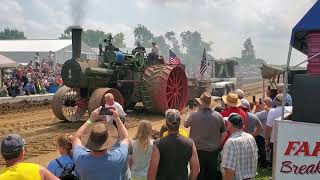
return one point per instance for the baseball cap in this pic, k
(12, 144)
(227, 118)
(240, 93)
(245, 104)
(173, 117)
(278, 99)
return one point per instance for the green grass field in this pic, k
(264, 174)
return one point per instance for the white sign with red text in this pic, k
(297, 151)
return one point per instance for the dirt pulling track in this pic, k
(37, 124)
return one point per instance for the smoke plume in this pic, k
(78, 11)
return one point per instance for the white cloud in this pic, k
(225, 22)
(229, 22)
(141, 4)
(11, 13)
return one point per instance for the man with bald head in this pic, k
(288, 98)
(109, 99)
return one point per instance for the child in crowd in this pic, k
(64, 161)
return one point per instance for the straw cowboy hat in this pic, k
(100, 136)
(206, 100)
(232, 100)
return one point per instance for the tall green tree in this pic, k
(93, 37)
(66, 33)
(248, 51)
(118, 40)
(143, 35)
(171, 36)
(8, 33)
(193, 43)
(163, 46)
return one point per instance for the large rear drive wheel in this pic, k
(167, 87)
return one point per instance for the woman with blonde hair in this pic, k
(142, 148)
(64, 161)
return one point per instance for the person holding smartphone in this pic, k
(111, 104)
(107, 158)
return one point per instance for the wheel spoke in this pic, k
(170, 98)
(169, 93)
(172, 103)
(177, 102)
(179, 82)
(180, 88)
(169, 86)
(180, 95)
(72, 107)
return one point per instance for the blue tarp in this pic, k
(310, 22)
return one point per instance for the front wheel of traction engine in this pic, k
(68, 105)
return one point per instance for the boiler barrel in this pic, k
(79, 73)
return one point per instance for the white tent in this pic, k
(22, 51)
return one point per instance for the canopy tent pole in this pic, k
(307, 60)
(286, 82)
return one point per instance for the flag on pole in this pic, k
(203, 66)
(173, 58)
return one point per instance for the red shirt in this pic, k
(237, 110)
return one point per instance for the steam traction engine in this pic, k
(131, 78)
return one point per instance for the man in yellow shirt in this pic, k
(13, 152)
(164, 132)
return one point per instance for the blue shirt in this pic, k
(29, 88)
(54, 168)
(110, 166)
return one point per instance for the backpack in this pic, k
(67, 173)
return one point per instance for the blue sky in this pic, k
(227, 23)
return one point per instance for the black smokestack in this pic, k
(76, 42)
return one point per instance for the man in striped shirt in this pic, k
(240, 152)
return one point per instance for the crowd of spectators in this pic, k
(226, 141)
(32, 78)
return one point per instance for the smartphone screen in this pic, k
(103, 111)
(253, 98)
(260, 101)
(222, 103)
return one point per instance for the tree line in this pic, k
(187, 45)
(8, 34)
(191, 45)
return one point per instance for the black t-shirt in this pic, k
(175, 153)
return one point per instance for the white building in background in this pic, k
(22, 51)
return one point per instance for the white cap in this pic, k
(240, 93)
(245, 104)
(227, 118)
